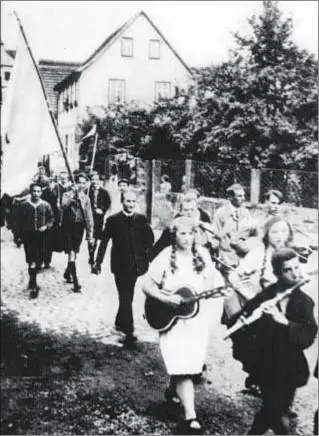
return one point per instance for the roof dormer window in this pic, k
(127, 47)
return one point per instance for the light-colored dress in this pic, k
(184, 345)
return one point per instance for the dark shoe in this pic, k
(38, 266)
(47, 265)
(172, 397)
(34, 293)
(118, 328)
(77, 289)
(129, 340)
(192, 426)
(67, 277)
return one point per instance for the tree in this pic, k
(265, 111)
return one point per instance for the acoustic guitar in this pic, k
(161, 316)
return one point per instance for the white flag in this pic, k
(27, 130)
(91, 132)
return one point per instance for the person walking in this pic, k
(35, 219)
(100, 204)
(132, 238)
(76, 217)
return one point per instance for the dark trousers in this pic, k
(273, 414)
(125, 283)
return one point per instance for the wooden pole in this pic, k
(254, 186)
(150, 182)
(94, 152)
(188, 174)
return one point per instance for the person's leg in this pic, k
(92, 249)
(186, 392)
(315, 426)
(67, 272)
(281, 400)
(77, 287)
(31, 248)
(125, 284)
(47, 248)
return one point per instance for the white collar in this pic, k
(128, 214)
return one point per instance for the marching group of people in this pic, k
(255, 263)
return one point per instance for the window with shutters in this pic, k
(127, 47)
(116, 91)
(154, 49)
(162, 91)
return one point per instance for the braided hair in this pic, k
(198, 261)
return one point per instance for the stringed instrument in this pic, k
(161, 316)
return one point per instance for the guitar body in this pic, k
(161, 316)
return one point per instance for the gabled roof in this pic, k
(110, 40)
(52, 72)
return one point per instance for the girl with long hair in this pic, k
(184, 345)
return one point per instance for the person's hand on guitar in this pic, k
(172, 300)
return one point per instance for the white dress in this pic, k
(184, 345)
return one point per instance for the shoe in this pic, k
(129, 340)
(47, 265)
(38, 266)
(172, 397)
(34, 293)
(193, 426)
(67, 276)
(77, 289)
(118, 328)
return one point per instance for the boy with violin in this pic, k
(272, 347)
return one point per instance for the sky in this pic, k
(200, 31)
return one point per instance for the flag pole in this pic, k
(94, 151)
(46, 100)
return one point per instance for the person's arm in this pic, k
(303, 331)
(151, 289)
(49, 216)
(163, 242)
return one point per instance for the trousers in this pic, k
(273, 414)
(125, 283)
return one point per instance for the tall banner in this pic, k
(27, 130)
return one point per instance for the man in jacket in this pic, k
(100, 204)
(235, 229)
(132, 239)
(35, 219)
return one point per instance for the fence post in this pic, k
(254, 186)
(150, 188)
(188, 174)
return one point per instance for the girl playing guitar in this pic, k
(184, 345)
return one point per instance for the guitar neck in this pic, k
(207, 294)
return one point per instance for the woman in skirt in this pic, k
(184, 345)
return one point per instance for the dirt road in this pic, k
(65, 372)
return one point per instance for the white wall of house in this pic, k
(138, 71)
(137, 76)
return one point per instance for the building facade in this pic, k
(7, 61)
(135, 64)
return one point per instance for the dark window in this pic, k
(7, 75)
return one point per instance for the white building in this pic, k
(7, 61)
(134, 64)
